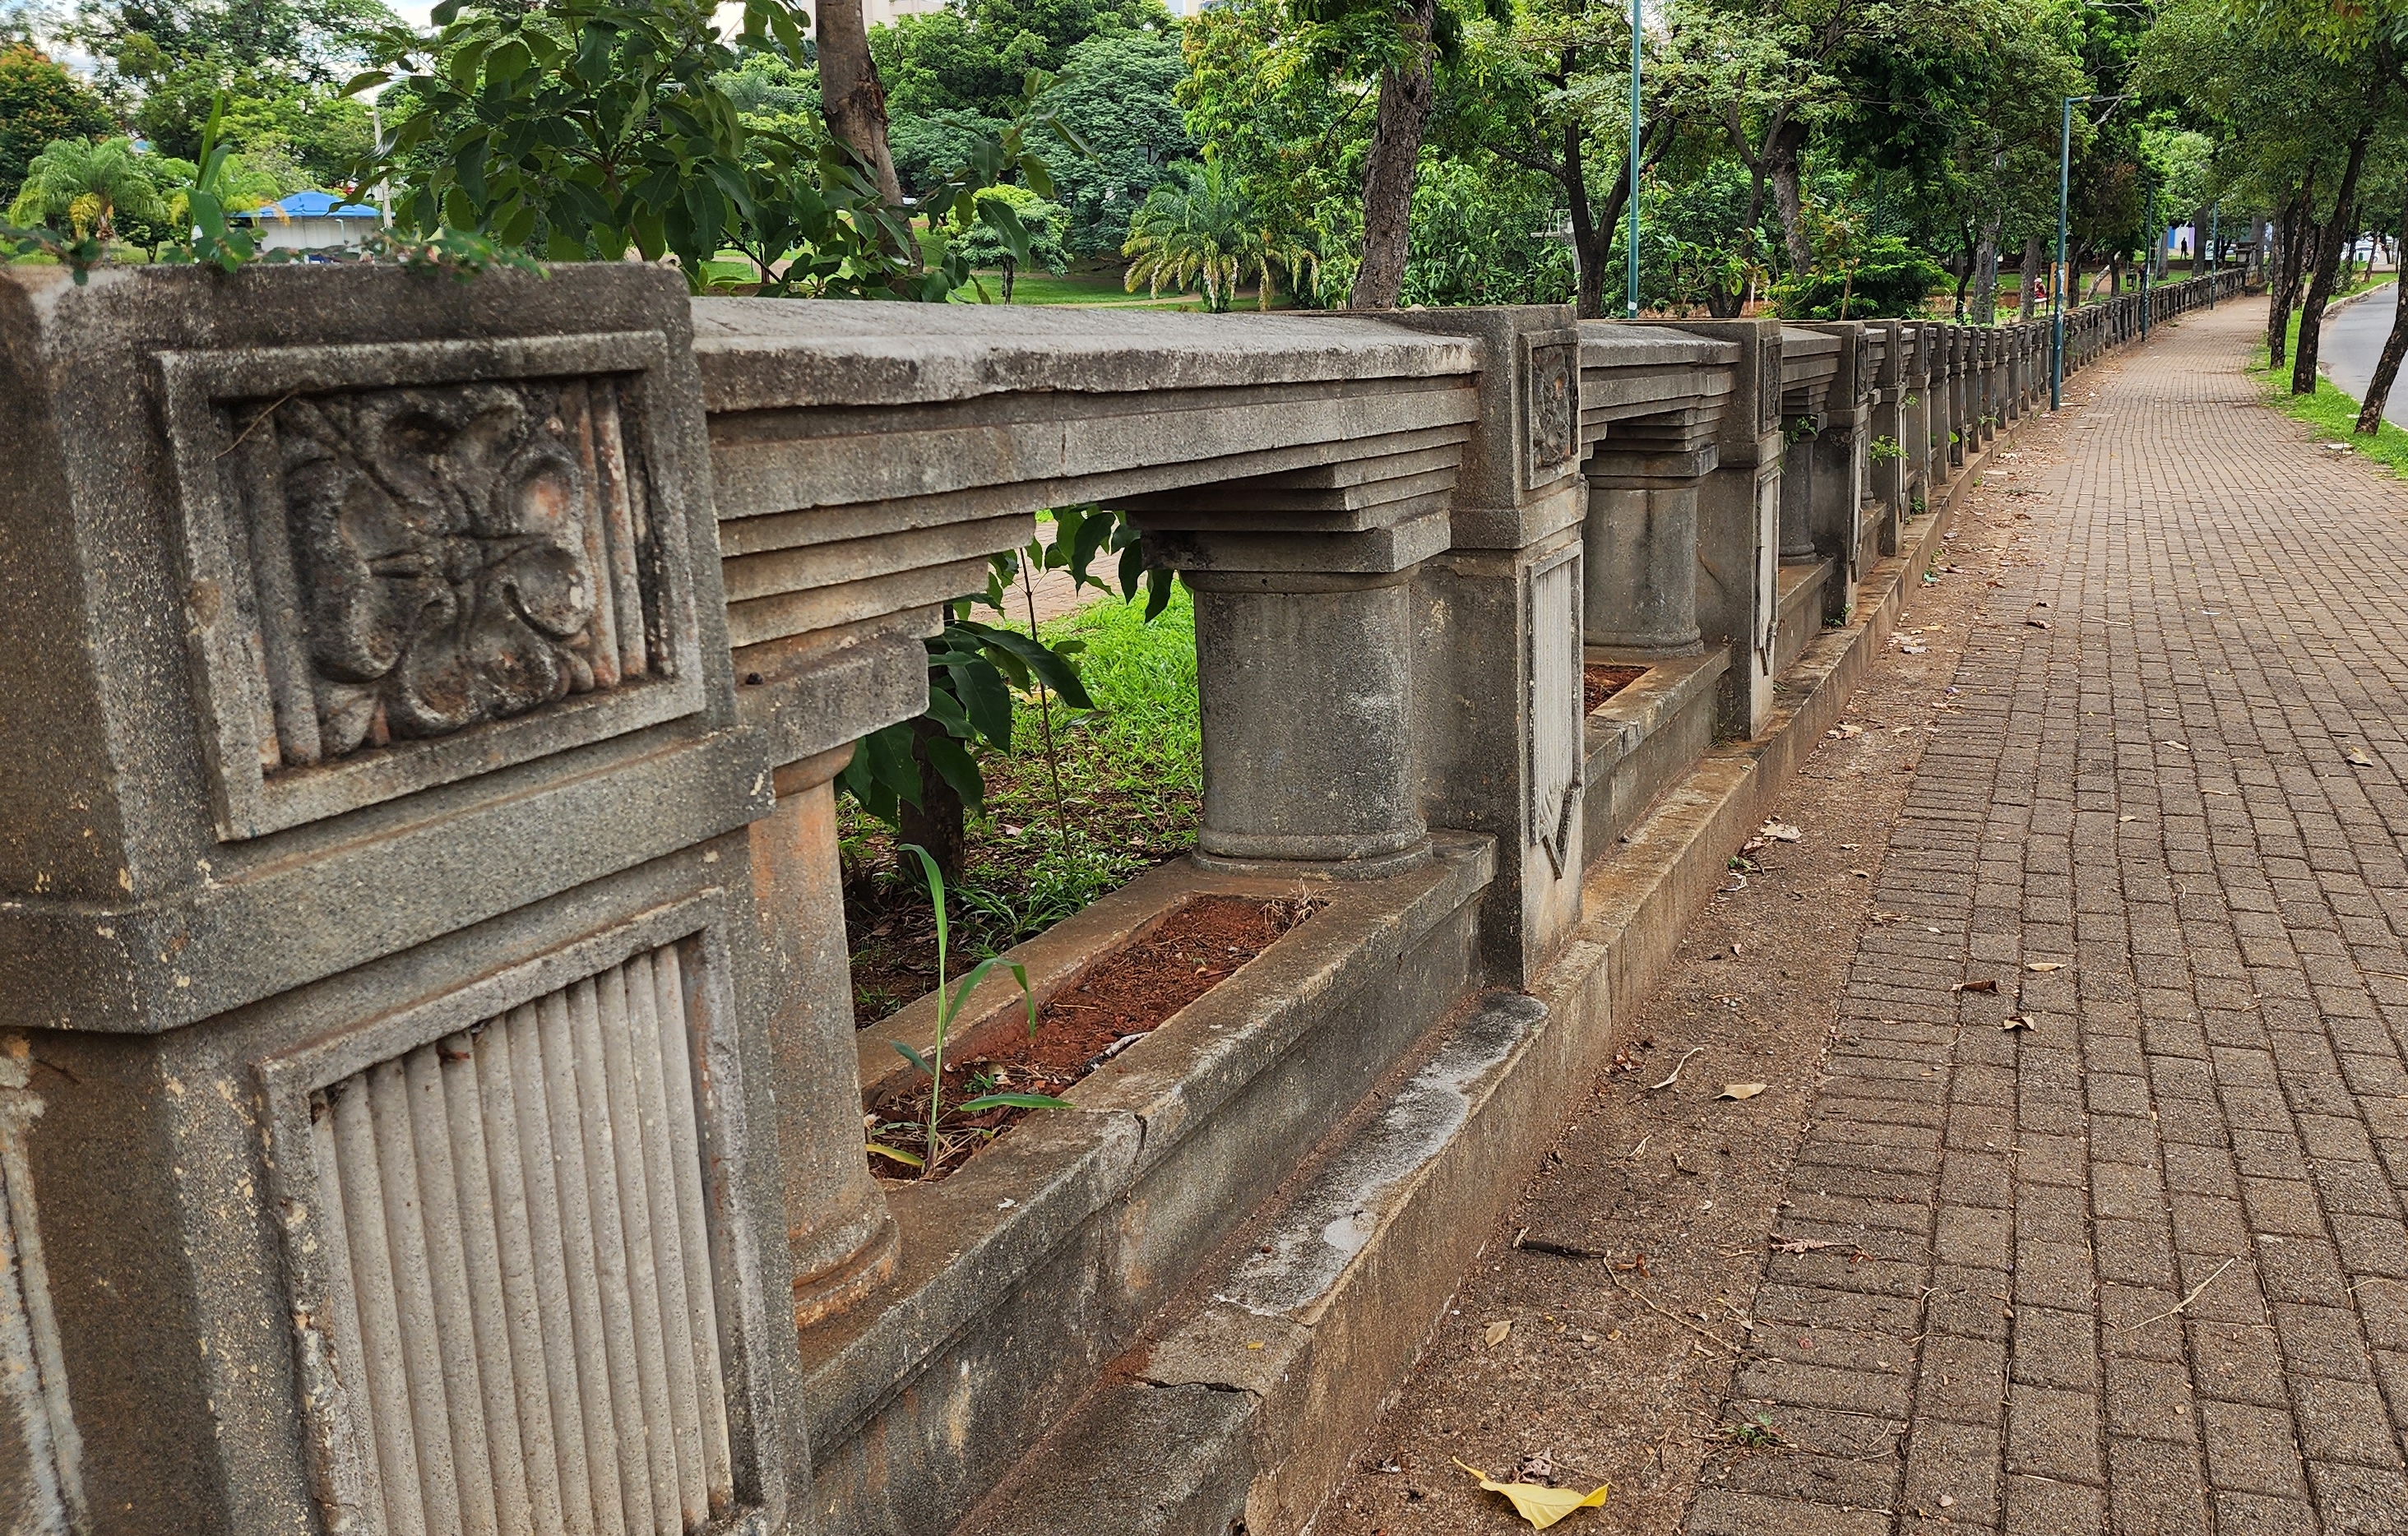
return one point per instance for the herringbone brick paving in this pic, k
(2140, 1266)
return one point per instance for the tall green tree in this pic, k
(41, 103)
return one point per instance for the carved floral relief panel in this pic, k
(401, 581)
(1551, 375)
(461, 554)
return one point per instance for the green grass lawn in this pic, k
(1132, 791)
(2331, 412)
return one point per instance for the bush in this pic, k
(1890, 280)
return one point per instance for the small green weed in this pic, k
(1755, 1432)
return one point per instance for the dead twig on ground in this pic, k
(1649, 1302)
(1676, 1068)
(2184, 1302)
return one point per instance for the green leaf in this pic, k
(914, 1057)
(978, 973)
(906, 1158)
(937, 896)
(958, 769)
(1013, 1101)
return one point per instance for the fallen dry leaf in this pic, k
(2044, 964)
(2358, 757)
(2015, 1021)
(2036, 623)
(1741, 1090)
(1540, 1505)
(1497, 1332)
(1846, 730)
(2121, 819)
(2176, 745)
(1988, 983)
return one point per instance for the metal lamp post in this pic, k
(2215, 257)
(2149, 267)
(1632, 241)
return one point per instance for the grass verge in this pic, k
(1132, 781)
(2331, 412)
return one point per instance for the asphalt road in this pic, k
(2352, 341)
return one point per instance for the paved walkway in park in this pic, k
(2137, 1264)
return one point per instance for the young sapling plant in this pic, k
(934, 1151)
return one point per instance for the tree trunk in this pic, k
(1388, 175)
(1781, 152)
(2035, 263)
(936, 823)
(2284, 249)
(851, 97)
(1596, 225)
(2312, 314)
(1985, 276)
(2386, 367)
(1589, 247)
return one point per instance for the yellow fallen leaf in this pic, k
(1741, 1090)
(1497, 1332)
(1540, 1505)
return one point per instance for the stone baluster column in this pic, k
(1810, 364)
(1655, 397)
(1944, 405)
(1738, 524)
(1985, 416)
(1304, 646)
(1964, 393)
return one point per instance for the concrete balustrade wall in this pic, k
(427, 1023)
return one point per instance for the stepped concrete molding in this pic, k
(426, 1019)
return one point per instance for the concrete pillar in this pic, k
(1836, 468)
(1943, 395)
(1809, 385)
(1964, 416)
(380, 991)
(1304, 675)
(1498, 647)
(843, 1239)
(1885, 431)
(1915, 339)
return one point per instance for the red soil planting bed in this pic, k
(1600, 681)
(1118, 1000)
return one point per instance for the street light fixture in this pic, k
(1632, 241)
(2056, 284)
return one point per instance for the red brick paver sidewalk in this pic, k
(2140, 1266)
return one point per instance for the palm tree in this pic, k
(89, 185)
(1200, 227)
